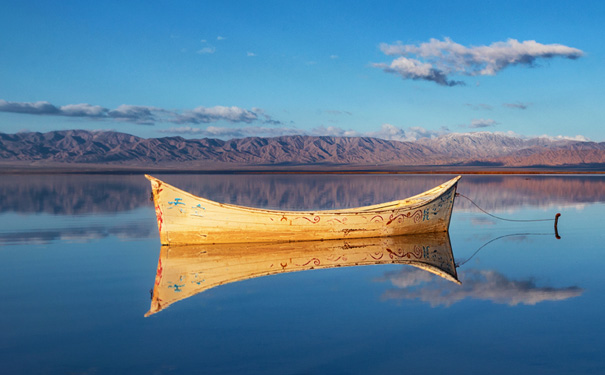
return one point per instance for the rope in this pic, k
(556, 220)
(459, 264)
(498, 217)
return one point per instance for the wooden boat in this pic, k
(184, 271)
(186, 219)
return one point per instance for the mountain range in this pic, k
(108, 149)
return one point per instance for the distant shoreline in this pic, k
(16, 169)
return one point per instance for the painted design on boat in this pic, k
(198, 220)
(176, 202)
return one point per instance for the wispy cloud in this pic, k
(437, 60)
(144, 115)
(227, 132)
(207, 50)
(334, 131)
(517, 105)
(205, 115)
(137, 114)
(482, 123)
(480, 106)
(476, 284)
(336, 112)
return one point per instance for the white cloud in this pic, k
(33, 108)
(207, 50)
(416, 70)
(205, 115)
(137, 114)
(145, 115)
(334, 131)
(83, 110)
(416, 132)
(437, 59)
(45, 108)
(250, 54)
(390, 132)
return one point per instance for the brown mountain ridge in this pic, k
(106, 148)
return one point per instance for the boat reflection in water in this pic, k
(184, 271)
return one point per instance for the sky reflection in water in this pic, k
(80, 254)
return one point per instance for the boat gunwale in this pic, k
(421, 199)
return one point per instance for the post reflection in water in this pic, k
(184, 271)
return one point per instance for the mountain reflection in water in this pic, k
(85, 194)
(184, 271)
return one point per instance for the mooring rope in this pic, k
(498, 217)
(459, 264)
(556, 220)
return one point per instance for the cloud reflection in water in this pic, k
(484, 285)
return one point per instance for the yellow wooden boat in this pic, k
(186, 219)
(184, 271)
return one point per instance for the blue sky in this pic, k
(396, 70)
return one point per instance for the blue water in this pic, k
(78, 257)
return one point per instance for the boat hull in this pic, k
(187, 219)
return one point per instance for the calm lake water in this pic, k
(79, 255)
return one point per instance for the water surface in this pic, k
(79, 256)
